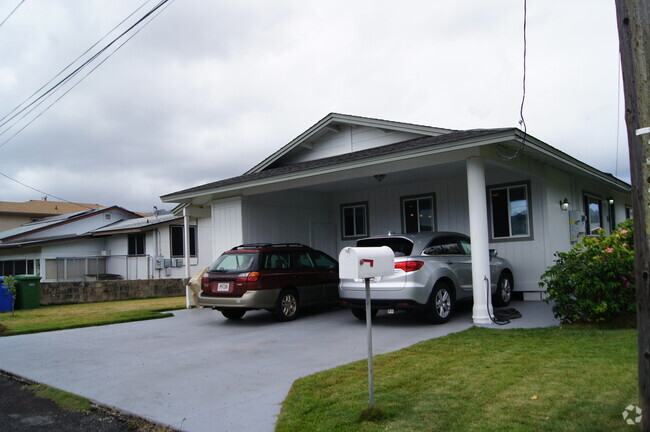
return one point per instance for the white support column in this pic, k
(478, 227)
(186, 247)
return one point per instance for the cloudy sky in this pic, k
(207, 88)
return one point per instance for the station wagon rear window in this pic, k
(399, 245)
(234, 262)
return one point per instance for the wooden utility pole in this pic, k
(634, 45)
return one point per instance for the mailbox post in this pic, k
(367, 263)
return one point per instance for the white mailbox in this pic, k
(366, 262)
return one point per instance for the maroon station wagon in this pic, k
(281, 278)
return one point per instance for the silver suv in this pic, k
(432, 272)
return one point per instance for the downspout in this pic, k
(186, 246)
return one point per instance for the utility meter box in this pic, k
(366, 262)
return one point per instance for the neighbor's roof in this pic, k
(14, 235)
(45, 208)
(135, 225)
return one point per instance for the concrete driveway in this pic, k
(200, 372)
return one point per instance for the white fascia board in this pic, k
(349, 120)
(572, 162)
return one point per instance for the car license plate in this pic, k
(223, 287)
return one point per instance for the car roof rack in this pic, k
(267, 245)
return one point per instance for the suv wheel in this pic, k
(234, 313)
(503, 295)
(287, 306)
(360, 313)
(441, 304)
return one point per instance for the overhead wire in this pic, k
(79, 81)
(12, 12)
(72, 74)
(74, 61)
(522, 121)
(152, 14)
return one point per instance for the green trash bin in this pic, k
(28, 291)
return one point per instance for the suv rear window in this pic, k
(234, 262)
(399, 245)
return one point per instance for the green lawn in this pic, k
(85, 315)
(555, 379)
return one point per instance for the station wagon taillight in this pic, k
(205, 282)
(409, 266)
(248, 277)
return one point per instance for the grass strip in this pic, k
(62, 317)
(65, 400)
(554, 379)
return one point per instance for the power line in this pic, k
(74, 85)
(39, 100)
(522, 121)
(40, 191)
(74, 61)
(12, 12)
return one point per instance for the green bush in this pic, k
(594, 281)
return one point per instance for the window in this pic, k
(354, 220)
(16, 267)
(448, 246)
(628, 212)
(136, 244)
(510, 213)
(322, 261)
(593, 214)
(418, 214)
(178, 243)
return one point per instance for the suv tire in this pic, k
(503, 294)
(233, 313)
(360, 313)
(287, 306)
(441, 304)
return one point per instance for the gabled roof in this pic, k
(14, 235)
(45, 208)
(135, 225)
(333, 121)
(391, 149)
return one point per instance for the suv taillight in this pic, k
(248, 277)
(409, 266)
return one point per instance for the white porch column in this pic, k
(478, 227)
(186, 246)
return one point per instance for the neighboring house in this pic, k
(347, 177)
(15, 214)
(103, 243)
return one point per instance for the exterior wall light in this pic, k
(564, 205)
(610, 200)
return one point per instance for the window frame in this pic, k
(529, 204)
(193, 236)
(434, 215)
(585, 206)
(135, 252)
(356, 235)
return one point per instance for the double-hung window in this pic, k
(418, 214)
(510, 212)
(354, 220)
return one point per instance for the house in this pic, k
(101, 243)
(347, 177)
(15, 214)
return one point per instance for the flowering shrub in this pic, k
(594, 281)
